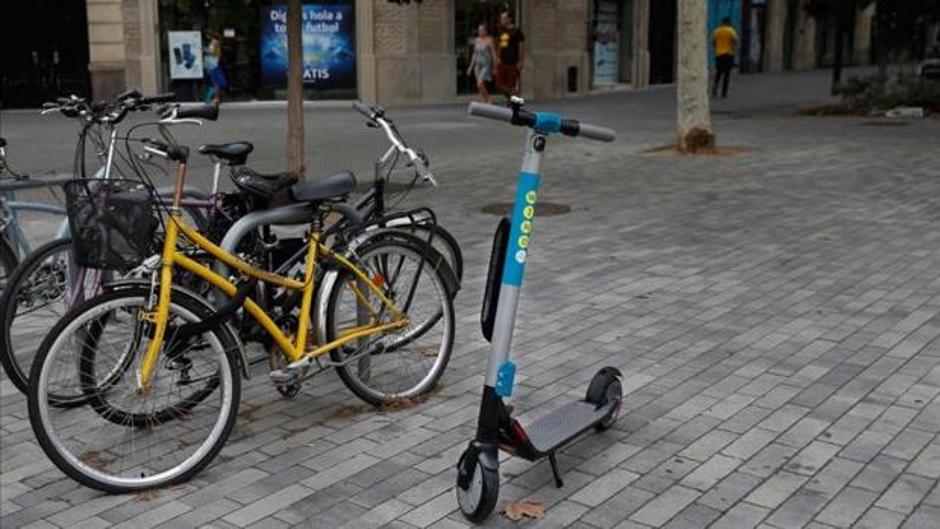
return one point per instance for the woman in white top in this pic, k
(484, 61)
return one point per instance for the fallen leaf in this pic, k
(516, 510)
(146, 495)
(430, 351)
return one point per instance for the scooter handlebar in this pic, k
(486, 110)
(596, 132)
(527, 118)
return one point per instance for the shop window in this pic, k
(252, 57)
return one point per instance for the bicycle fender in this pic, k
(400, 231)
(328, 282)
(183, 291)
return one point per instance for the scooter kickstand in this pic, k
(554, 462)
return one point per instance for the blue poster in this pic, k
(329, 41)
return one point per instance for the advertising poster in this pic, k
(329, 42)
(606, 44)
(185, 54)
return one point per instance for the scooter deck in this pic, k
(550, 432)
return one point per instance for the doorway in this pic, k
(40, 65)
(662, 41)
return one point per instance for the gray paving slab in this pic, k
(776, 316)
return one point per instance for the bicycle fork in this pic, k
(159, 316)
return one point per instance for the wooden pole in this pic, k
(295, 89)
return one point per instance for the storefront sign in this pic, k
(329, 42)
(606, 44)
(185, 54)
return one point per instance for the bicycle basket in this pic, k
(112, 222)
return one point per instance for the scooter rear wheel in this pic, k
(605, 387)
(479, 499)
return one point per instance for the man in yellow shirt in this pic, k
(725, 39)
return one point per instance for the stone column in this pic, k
(640, 77)
(141, 45)
(556, 34)
(864, 18)
(436, 53)
(405, 52)
(123, 46)
(804, 40)
(539, 23)
(105, 47)
(774, 26)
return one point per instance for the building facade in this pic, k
(388, 53)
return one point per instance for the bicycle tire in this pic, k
(82, 467)
(44, 260)
(443, 350)
(95, 397)
(453, 255)
(8, 261)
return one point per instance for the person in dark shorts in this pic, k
(511, 46)
(725, 40)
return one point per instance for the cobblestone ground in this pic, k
(775, 315)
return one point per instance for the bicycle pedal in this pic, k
(286, 376)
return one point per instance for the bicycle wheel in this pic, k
(8, 262)
(39, 293)
(397, 365)
(126, 440)
(443, 242)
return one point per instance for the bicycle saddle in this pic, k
(263, 186)
(3, 142)
(332, 187)
(235, 153)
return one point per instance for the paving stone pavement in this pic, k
(776, 316)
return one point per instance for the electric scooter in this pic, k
(478, 467)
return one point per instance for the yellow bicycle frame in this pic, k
(295, 349)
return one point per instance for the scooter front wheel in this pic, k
(478, 499)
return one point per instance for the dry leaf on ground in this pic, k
(516, 510)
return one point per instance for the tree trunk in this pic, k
(694, 115)
(295, 89)
(881, 21)
(841, 27)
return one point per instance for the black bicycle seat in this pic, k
(335, 186)
(263, 186)
(235, 153)
(3, 142)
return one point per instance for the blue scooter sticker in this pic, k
(523, 214)
(504, 379)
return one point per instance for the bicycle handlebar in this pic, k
(376, 116)
(541, 120)
(367, 111)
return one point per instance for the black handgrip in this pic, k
(365, 110)
(198, 111)
(133, 93)
(155, 144)
(167, 97)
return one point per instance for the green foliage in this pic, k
(869, 93)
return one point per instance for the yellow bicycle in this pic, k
(159, 367)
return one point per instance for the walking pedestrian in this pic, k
(725, 40)
(483, 60)
(213, 66)
(511, 55)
